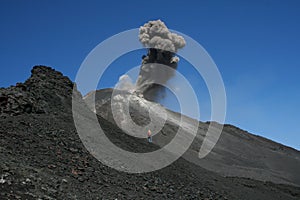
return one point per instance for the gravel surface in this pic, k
(42, 156)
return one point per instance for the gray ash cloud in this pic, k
(160, 63)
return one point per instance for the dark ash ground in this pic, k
(42, 156)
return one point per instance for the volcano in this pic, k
(43, 157)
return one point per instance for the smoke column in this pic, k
(162, 46)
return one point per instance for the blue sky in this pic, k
(255, 45)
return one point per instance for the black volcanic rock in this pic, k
(42, 156)
(45, 91)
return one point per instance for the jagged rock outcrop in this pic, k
(45, 91)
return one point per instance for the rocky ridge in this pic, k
(42, 156)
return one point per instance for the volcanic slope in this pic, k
(42, 156)
(236, 154)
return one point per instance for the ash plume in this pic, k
(160, 62)
(155, 34)
(125, 83)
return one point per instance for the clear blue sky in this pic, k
(255, 45)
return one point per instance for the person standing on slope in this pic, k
(149, 134)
